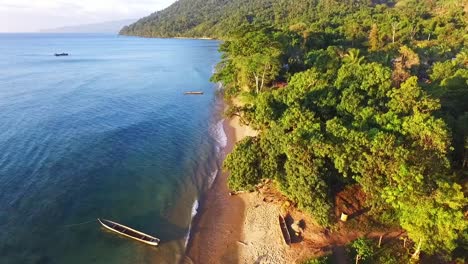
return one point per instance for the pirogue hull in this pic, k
(284, 230)
(129, 232)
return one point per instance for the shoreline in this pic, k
(200, 38)
(217, 226)
(244, 228)
(238, 228)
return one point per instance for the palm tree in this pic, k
(352, 57)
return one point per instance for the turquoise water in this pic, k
(105, 132)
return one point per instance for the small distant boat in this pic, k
(60, 54)
(285, 231)
(129, 232)
(194, 93)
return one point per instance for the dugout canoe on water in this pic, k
(193, 93)
(129, 232)
(285, 231)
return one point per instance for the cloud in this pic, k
(33, 15)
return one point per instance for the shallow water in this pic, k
(105, 132)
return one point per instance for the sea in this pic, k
(105, 132)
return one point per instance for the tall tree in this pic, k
(374, 41)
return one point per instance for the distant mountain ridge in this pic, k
(105, 27)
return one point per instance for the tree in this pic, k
(353, 57)
(301, 28)
(403, 64)
(353, 31)
(321, 260)
(435, 222)
(263, 67)
(255, 56)
(374, 41)
(244, 165)
(395, 25)
(362, 248)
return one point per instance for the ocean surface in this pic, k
(105, 132)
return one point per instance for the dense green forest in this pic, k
(218, 18)
(373, 93)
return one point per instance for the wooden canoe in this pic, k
(194, 93)
(129, 232)
(285, 231)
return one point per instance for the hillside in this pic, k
(215, 18)
(218, 18)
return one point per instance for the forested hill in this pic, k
(184, 18)
(215, 18)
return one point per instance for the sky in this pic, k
(35, 15)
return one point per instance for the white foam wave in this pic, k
(219, 135)
(212, 178)
(219, 87)
(194, 213)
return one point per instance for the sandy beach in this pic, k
(217, 227)
(244, 228)
(239, 228)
